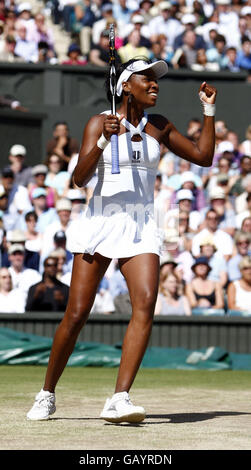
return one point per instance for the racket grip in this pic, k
(115, 154)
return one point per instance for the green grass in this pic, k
(30, 378)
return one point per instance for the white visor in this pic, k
(160, 68)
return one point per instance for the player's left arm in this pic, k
(201, 152)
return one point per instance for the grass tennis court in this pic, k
(186, 410)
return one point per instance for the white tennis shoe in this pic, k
(43, 407)
(119, 408)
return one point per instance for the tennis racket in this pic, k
(114, 137)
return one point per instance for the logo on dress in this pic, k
(136, 156)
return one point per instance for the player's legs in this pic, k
(142, 276)
(87, 272)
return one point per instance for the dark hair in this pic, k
(119, 69)
(60, 123)
(31, 214)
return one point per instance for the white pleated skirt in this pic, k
(114, 236)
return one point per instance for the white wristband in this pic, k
(209, 109)
(102, 142)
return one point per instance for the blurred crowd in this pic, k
(201, 35)
(203, 214)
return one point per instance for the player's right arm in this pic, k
(89, 151)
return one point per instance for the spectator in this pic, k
(189, 21)
(184, 200)
(49, 294)
(122, 13)
(61, 222)
(175, 180)
(169, 300)
(45, 215)
(22, 278)
(59, 254)
(46, 54)
(56, 177)
(231, 54)
(24, 48)
(192, 182)
(78, 199)
(100, 25)
(60, 240)
(75, 56)
(244, 205)
(133, 49)
(216, 261)
(221, 131)
(145, 10)
(103, 302)
(33, 239)
(188, 48)
(99, 53)
(39, 173)
(222, 240)
(31, 256)
(201, 62)
(62, 144)
(163, 23)
(246, 225)
(245, 146)
(243, 60)
(160, 50)
(18, 199)
(225, 212)
(11, 300)
(167, 264)
(245, 169)
(217, 54)
(8, 54)
(41, 32)
(25, 17)
(137, 22)
(239, 291)
(22, 172)
(242, 248)
(202, 292)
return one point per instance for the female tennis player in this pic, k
(119, 223)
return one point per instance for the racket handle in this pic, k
(115, 154)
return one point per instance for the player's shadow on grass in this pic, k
(190, 417)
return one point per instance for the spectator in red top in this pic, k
(75, 56)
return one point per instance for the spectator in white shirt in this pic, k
(165, 24)
(26, 49)
(22, 278)
(222, 240)
(11, 300)
(62, 222)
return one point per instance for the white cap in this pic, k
(245, 11)
(222, 2)
(164, 5)
(137, 19)
(188, 18)
(63, 204)
(16, 247)
(159, 67)
(186, 176)
(225, 146)
(25, 6)
(18, 150)
(217, 193)
(184, 194)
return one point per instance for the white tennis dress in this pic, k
(119, 220)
